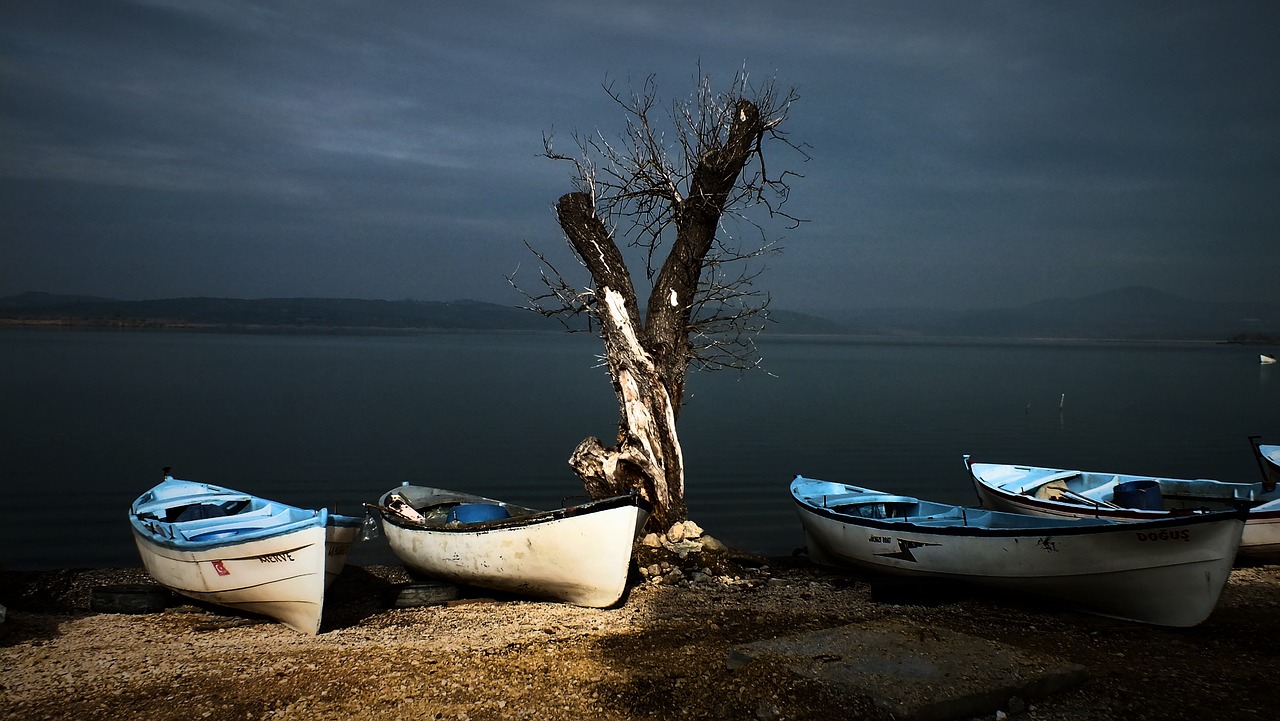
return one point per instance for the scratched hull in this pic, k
(1168, 572)
(579, 554)
(267, 558)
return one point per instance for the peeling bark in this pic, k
(646, 455)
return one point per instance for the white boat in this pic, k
(579, 554)
(1167, 572)
(1266, 359)
(1268, 458)
(1063, 493)
(233, 549)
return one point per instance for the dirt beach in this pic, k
(661, 653)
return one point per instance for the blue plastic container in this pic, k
(477, 512)
(1142, 495)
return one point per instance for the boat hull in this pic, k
(282, 578)
(339, 534)
(997, 487)
(580, 555)
(1169, 572)
(266, 558)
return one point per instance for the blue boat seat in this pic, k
(254, 520)
(158, 507)
(858, 499)
(230, 529)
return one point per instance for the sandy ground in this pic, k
(661, 653)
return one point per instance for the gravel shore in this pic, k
(661, 653)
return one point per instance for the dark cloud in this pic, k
(964, 154)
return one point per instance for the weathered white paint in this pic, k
(581, 559)
(1162, 572)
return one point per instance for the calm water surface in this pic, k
(88, 419)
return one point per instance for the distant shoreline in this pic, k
(1133, 314)
(152, 325)
(162, 325)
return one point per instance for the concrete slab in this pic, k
(917, 673)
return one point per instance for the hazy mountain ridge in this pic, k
(1127, 313)
(333, 313)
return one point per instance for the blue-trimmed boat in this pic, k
(1167, 572)
(234, 549)
(1067, 493)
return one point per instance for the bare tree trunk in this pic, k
(646, 455)
(648, 362)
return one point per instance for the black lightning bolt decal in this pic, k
(904, 550)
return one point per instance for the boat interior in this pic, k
(269, 515)
(192, 508)
(445, 510)
(211, 517)
(936, 515)
(1100, 489)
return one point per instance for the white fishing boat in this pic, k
(1266, 359)
(1167, 572)
(233, 549)
(1065, 493)
(579, 554)
(1268, 458)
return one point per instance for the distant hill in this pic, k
(270, 313)
(1128, 313)
(42, 300)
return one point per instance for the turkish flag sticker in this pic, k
(221, 569)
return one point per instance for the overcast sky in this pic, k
(964, 154)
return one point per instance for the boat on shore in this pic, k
(1167, 572)
(233, 549)
(579, 554)
(1268, 458)
(1065, 493)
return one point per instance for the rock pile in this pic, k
(686, 555)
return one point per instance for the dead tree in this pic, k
(643, 194)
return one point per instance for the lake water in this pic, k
(88, 420)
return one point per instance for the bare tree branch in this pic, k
(668, 188)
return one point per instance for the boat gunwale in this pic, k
(514, 522)
(1072, 526)
(144, 520)
(1101, 511)
(320, 519)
